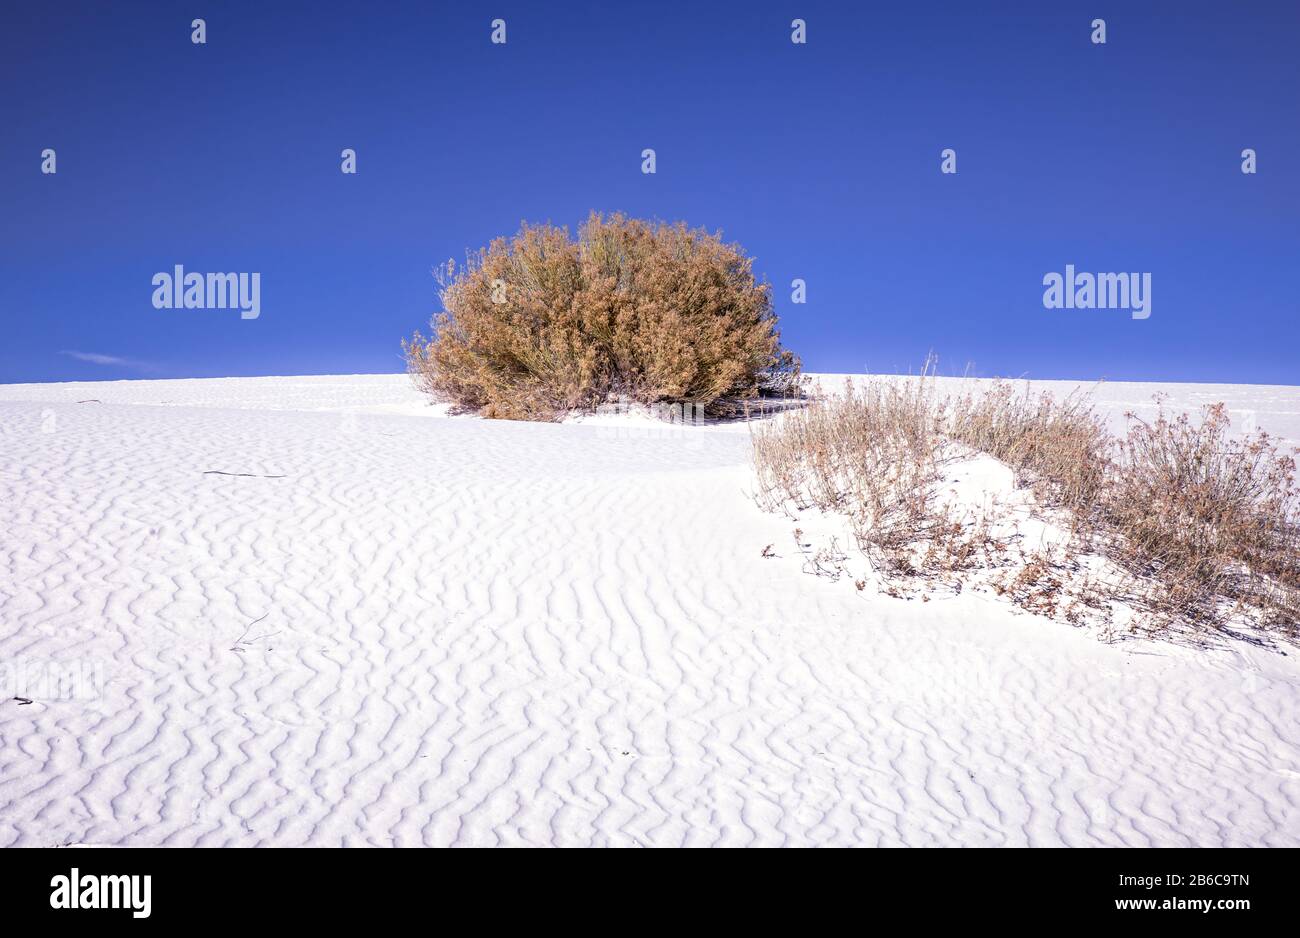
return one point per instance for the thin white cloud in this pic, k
(96, 358)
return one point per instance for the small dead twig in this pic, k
(240, 475)
(241, 640)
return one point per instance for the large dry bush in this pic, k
(540, 324)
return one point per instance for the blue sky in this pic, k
(822, 160)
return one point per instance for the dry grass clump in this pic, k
(541, 324)
(1202, 521)
(1059, 448)
(1190, 527)
(874, 454)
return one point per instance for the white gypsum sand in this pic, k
(318, 611)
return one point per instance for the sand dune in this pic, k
(319, 611)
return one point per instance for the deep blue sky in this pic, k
(822, 160)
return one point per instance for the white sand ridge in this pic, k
(385, 626)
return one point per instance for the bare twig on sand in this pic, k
(240, 475)
(246, 642)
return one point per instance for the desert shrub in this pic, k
(1059, 448)
(874, 454)
(1201, 529)
(1201, 519)
(541, 324)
